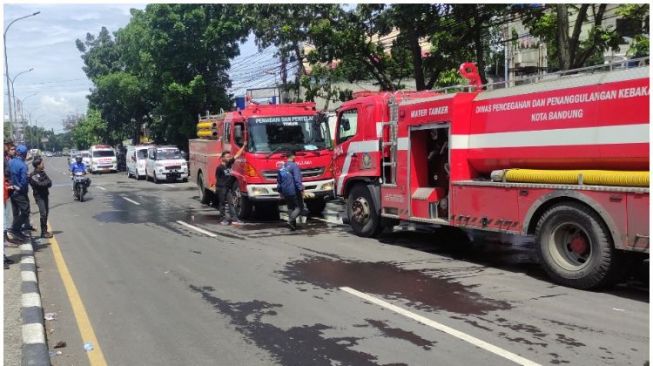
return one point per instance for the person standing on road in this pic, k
(8, 260)
(41, 184)
(225, 185)
(10, 151)
(289, 186)
(19, 199)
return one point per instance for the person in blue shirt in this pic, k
(20, 182)
(289, 186)
(79, 167)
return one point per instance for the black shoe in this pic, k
(29, 227)
(292, 226)
(46, 235)
(18, 238)
(8, 261)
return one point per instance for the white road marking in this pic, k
(33, 333)
(102, 188)
(27, 276)
(443, 328)
(27, 260)
(31, 299)
(197, 229)
(130, 200)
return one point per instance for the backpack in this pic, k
(285, 182)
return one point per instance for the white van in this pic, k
(86, 157)
(165, 163)
(136, 160)
(103, 159)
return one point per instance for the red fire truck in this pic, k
(564, 159)
(271, 130)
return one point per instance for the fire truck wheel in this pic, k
(242, 205)
(575, 247)
(363, 215)
(204, 196)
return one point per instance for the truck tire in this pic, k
(316, 206)
(242, 204)
(204, 194)
(575, 248)
(363, 216)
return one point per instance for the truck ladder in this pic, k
(389, 164)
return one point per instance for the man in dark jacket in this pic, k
(41, 184)
(20, 182)
(224, 181)
(289, 186)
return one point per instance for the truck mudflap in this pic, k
(268, 192)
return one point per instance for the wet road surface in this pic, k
(161, 292)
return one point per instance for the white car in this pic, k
(136, 160)
(103, 159)
(165, 163)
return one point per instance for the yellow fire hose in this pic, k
(206, 125)
(586, 177)
(207, 133)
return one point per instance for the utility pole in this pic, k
(9, 96)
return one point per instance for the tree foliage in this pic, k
(170, 65)
(575, 34)
(91, 130)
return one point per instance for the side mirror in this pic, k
(344, 123)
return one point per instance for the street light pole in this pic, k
(23, 103)
(13, 91)
(4, 38)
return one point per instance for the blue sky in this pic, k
(46, 42)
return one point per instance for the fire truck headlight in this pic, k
(257, 191)
(327, 186)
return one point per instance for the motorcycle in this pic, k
(80, 185)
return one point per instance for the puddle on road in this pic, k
(381, 278)
(301, 345)
(401, 334)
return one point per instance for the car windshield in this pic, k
(103, 153)
(166, 154)
(268, 134)
(85, 154)
(142, 154)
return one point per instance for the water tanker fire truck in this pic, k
(564, 159)
(270, 131)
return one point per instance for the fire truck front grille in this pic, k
(306, 173)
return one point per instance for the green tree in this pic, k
(168, 65)
(286, 26)
(637, 14)
(90, 131)
(574, 34)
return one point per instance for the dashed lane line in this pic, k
(443, 328)
(130, 200)
(200, 230)
(102, 188)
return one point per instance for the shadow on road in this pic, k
(511, 253)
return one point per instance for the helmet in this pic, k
(21, 149)
(78, 158)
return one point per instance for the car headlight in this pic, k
(327, 186)
(256, 191)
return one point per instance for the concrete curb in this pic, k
(35, 347)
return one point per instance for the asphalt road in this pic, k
(160, 292)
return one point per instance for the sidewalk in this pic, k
(13, 343)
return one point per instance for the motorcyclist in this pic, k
(79, 167)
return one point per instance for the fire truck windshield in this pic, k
(267, 134)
